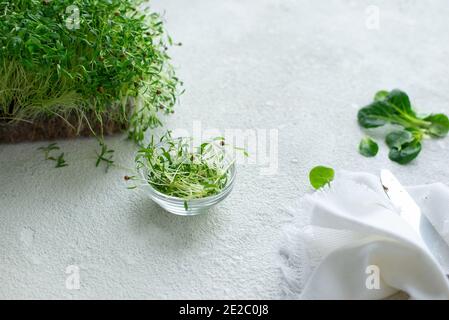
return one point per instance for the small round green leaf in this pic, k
(368, 147)
(320, 176)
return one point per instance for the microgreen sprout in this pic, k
(105, 155)
(46, 150)
(60, 161)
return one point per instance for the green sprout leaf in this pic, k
(320, 176)
(397, 139)
(393, 108)
(374, 115)
(105, 156)
(60, 162)
(243, 150)
(439, 125)
(400, 102)
(406, 153)
(46, 150)
(404, 146)
(368, 147)
(381, 95)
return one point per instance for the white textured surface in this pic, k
(299, 66)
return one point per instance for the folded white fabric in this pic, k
(359, 247)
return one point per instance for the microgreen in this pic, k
(176, 168)
(60, 161)
(114, 67)
(105, 156)
(320, 176)
(394, 107)
(46, 150)
(368, 147)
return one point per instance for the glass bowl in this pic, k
(176, 205)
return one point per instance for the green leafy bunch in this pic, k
(394, 107)
(105, 59)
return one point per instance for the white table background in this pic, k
(302, 67)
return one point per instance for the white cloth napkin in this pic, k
(345, 235)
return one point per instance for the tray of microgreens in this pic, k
(82, 68)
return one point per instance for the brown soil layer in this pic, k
(55, 128)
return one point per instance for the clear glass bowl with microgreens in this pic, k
(185, 179)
